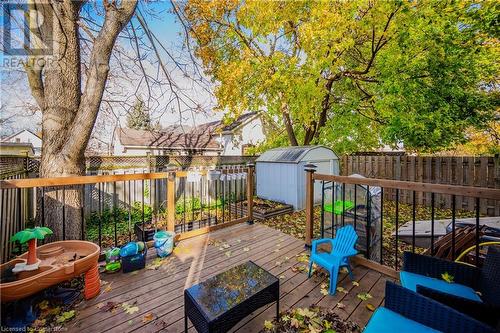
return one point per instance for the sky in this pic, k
(17, 104)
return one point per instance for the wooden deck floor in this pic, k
(158, 293)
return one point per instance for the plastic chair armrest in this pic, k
(317, 242)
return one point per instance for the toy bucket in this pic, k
(164, 243)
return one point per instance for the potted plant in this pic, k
(30, 236)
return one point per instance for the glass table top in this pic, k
(230, 288)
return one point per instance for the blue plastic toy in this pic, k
(131, 249)
(342, 247)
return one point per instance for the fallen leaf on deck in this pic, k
(282, 276)
(268, 325)
(43, 305)
(39, 323)
(342, 290)
(228, 254)
(246, 249)
(108, 288)
(130, 309)
(147, 317)
(65, 316)
(324, 292)
(109, 306)
(370, 307)
(355, 283)
(155, 264)
(340, 305)
(364, 296)
(54, 311)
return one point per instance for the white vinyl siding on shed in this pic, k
(281, 175)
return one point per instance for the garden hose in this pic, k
(471, 248)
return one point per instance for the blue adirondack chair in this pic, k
(342, 247)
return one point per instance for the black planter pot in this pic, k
(145, 236)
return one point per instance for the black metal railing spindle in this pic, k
(413, 219)
(99, 198)
(453, 222)
(42, 207)
(333, 210)
(115, 225)
(477, 233)
(142, 213)
(381, 225)
(129, 211)
(64, 213)
(396, 250)
(322, 217)
(355, 206)
(368, 222)
(343, 204)
(432, 221)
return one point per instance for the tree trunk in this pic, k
(288, 125)
(68, 114)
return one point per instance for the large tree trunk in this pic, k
(68, 114)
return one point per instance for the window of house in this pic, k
(245, 148)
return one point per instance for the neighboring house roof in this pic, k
(167, 139)
(26, 145)
(239, 121)
(10, 137)
(201, 137)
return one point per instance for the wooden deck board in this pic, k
(159, 293)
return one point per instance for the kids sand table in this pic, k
(56, 262)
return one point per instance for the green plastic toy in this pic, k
(113, 263)
(338, 207)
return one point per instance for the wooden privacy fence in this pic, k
(449, 170)
(195, 203)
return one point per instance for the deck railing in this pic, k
(117, 208)
(378, 220)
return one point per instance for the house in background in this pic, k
(16, 149)
(22, 142)
(214, 138)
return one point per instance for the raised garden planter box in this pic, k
(262, 209)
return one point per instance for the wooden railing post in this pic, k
(171, 201)
(309, 169)
(250, 193)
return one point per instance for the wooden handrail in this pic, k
(468, 191)
(78, 180)
(82, 180)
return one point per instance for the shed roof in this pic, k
(297, 154)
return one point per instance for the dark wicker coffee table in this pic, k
(220, 302)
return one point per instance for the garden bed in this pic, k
(262, 209)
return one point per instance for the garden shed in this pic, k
(281, 176)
